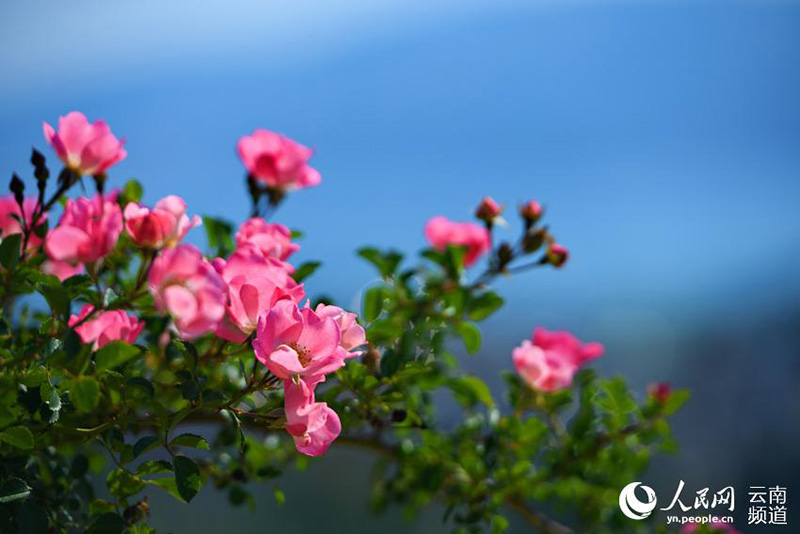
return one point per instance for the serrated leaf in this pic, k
(483, 306)
(305, 270)
(471, 336)
(187, 477)
(122, 483)
(115, 354)
(143, 445)
(18, 436)
(470, 390)
(373, 303)
(154, 467)
(190, 440)
(85, 393)
(9, 250)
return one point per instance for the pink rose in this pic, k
(352, 333)
(294, 342)
(163, 226)
(274, 240)
(61, 269)
(312, 425)
(106, 327)
(277, 161)
(441, 232)
(86, 148)
(186, 286)
(87, 231)
(488, 209)
(9, 225)
(549, 361)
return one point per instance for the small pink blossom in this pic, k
(488, 209)
(87, 231)
(274, 240)
(549, 360)
(86, 148)
(557, 255)
(294, 342)
(352, 333)
(312, 425)
(9, 225)
(277, 161)
(106, 327)
(186, 286)
(531, 211)
(163, 226)
(441, 232)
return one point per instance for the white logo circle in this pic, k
(633, 507)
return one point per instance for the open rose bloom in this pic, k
(441, 232)
(88, 148)
(268, 239)
(105, 327)
(87, 231)
(163, 226)
(312, 425)
(187, 287)
(277, 161)
(549, 360)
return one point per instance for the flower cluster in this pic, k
(548, 361)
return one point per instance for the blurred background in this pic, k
(663, 138)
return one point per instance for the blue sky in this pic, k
(662, 136)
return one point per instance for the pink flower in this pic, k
(277, 161)
(61, 269)
(488, 209)
(106, 327)
(9, 225)
(294, 342)
(352, 333)
(312, 425)
(441, 232)
(186, 286)
(163, 226)
(660, 391)
(274, 240)
(715, 526)
(557, 255)
(87, 231)
(549, 361)
(531, 211)
(86, 148)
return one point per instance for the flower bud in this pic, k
(505, 254)
(557, 255)
(660, 391)
(534, 239)
(531, 211)
(488, 210)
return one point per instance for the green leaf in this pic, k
(386, 262)
(187, 477)
(115, 354)
(153, 467)
(190, 440)
(107, 523)
(13, 489)
(122, 483)
(9, 250)
(471, 336)
(305, 270)
(131, 192)
(483, 306)
(18, 436)
(143, 384)
(85, 393)
(280, 497)
(169, 485)
(219, 234)
(143, 445)
(470, 390)
(57, 297)
(676, 399)
(373, 303)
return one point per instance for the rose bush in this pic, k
(129, 354)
